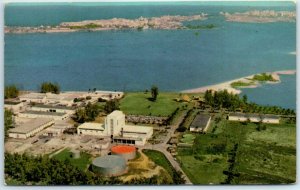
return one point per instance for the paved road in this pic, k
(162, 147)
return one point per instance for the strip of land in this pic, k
(251, 81)
(164, 22)
(264, 16)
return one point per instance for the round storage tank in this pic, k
(110, 165)
(127, 152)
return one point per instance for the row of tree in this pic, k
(233, 102)
(223, 99)
(87, 113)
(50, 87)
(91, 111)
(12, 91)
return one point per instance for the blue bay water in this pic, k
(134, 60)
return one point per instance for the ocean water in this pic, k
(133, 60)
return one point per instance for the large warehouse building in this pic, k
(30, 128)
(200, 123)
(115, 127)
(264, 118)
(43, 114)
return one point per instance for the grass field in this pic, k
(269, 156)
(262, 157)
(159, 159)
(139, 104)
(81, 162)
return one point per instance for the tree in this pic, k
(49, 87)
(245, 98)
(88, 113)
(11, 91)
(111, 105)
(8, 121)
(154, 92)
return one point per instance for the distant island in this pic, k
(261, 16)
(163, 22)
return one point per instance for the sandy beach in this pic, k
(247, 79)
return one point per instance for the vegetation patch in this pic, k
(194, 27)
(239, 84)
(237, 153)
(264, 77)
(138, 103)
(160, 159)
(87, 26)
(81, 162)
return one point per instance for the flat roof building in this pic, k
(57, 129)
(30, 128)
(14, 106)
(252, 117)
(200, 123)
(115, 127)
(43, 114)
(52, 108)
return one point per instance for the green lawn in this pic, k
(159, 159)
(268, 156)
(81, 162)
(206, 171)
(263, 157)
(138, 104)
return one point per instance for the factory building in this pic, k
(255, 118)
(108, 95)
(200, 123)
(14, 106)
(110, 165)
(52, 108)
(33, 97)
(115, 127)
(57, 129)
(30, 128)
(42, 114)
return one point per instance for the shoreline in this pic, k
(166, 22)
(227, 84)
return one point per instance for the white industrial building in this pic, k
(108, 95)
(43, 114)
(57, 129)
(254, 118)
(14, 106)
(67, 98)
(30, 128)
(116, 128)
(33, 97)
(200, 123)
(52, 108)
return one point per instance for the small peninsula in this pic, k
(234, 86)
(164, 23)
(257, 16)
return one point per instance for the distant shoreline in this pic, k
(227, 85)
(166, 22)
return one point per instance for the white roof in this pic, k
(116, 113)
(33, 95)
(137, 129)
(31, 125)
(93, 126)
(108, 92)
